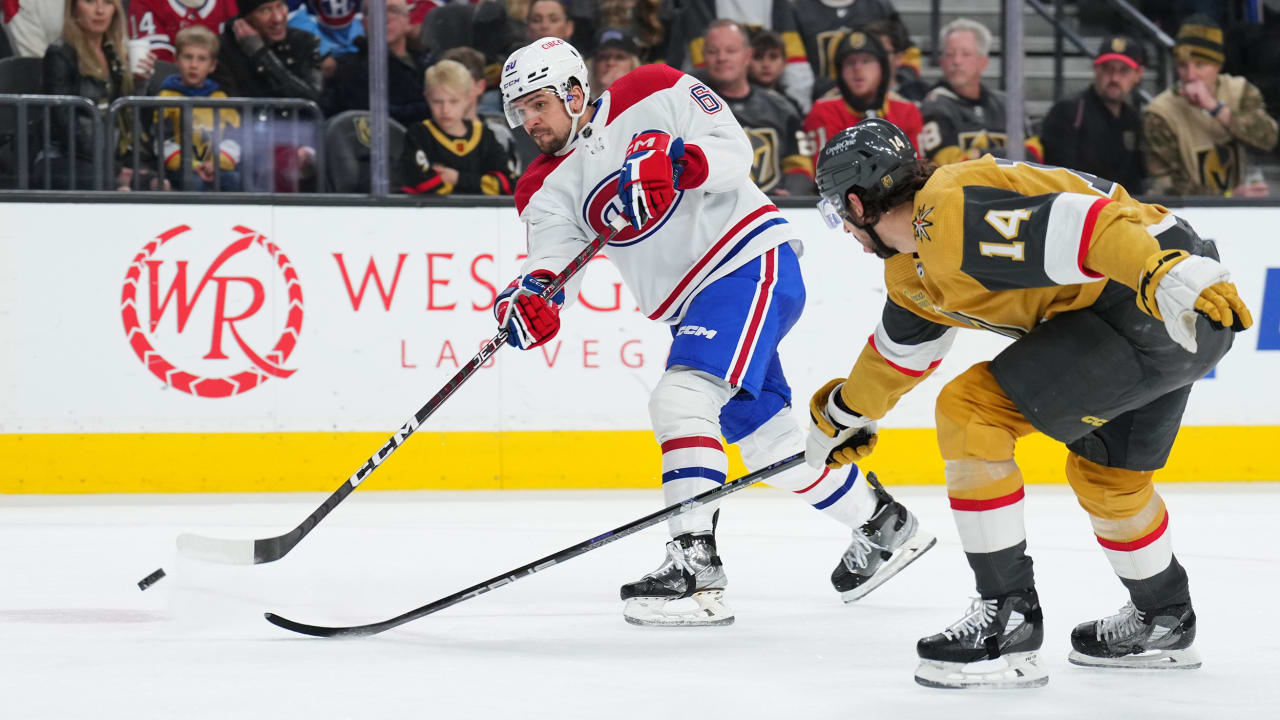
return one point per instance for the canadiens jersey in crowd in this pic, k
(160, 20)
(957, 128)
(718, 222)
(984, 227)
(774, 129)
(831, 114)
(481, 161)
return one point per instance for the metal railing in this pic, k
(1061, 32)
(52, 150)
(262, 124)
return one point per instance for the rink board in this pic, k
(167, 348)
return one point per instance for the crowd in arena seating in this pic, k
(793, 72)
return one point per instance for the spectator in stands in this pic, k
(1198, 133)
(348, 89)
(904, 58)
(771, 122)
(615, 55)
(964, 119)
(518, 156)
(33, 25)
(160, 20)
(263, 57)
(88, 60)
(768, 60)
(822, 23)
(1098, 131)
(650, 20)
(863, 92)
(335, 23)
(197, 49)
(549, 18)
(686, 47)
(447, 154)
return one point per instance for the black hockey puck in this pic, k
(151, 579)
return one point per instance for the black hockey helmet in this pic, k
(872, 157)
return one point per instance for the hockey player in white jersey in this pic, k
(708, 254)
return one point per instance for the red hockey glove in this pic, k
(647, 184)
(530, 319)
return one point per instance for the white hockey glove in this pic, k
(837, 435)
(1175, 286)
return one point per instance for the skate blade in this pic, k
(707, 609)
(909, 552)
(1185, 659)
(1014, 671)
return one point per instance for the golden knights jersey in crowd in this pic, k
(1189, 152)
(480, 159)
(822, 24)
(686, 38)
(773, 127)
(957, 128)
(985, 227)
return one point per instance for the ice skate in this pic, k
(686, 590)
(885, 544)
(1131, 638)
(995, 645)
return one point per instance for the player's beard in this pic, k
(548, 142)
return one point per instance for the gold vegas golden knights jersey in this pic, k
(1000, 246)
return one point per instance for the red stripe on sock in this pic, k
(1138, 544)
(692, 442)
(821, 477)
(992, 504)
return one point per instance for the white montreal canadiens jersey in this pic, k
(717, 224)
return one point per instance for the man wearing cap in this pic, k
(1098, 131)
(862, 91)
(262, 56)
(1197, 134)
(615, 55)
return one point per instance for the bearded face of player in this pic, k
(860, 73)
(546, 118)
(270, 20)
(892, 229)
(1114, 80)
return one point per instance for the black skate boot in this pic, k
(692, 576)
(1159, 639)
(995, 645)
(886, 543)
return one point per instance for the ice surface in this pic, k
(78, 640)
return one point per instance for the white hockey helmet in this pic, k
(549, 63)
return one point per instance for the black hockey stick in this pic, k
(265, 550)
(555, 558)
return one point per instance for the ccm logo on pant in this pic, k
(696, 331)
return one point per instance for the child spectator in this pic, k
(447, 154)
(492, 116)
(197, 49)
(768, 60)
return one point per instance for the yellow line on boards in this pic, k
(280, 462)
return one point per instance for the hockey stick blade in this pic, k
(265, 550)
(555, 558)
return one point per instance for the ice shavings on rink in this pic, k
(78, 640)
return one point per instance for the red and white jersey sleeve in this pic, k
(719, 221)
(160, 21)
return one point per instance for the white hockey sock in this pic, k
(840, 494)
(692, 465)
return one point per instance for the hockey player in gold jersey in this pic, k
(1117, 307)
